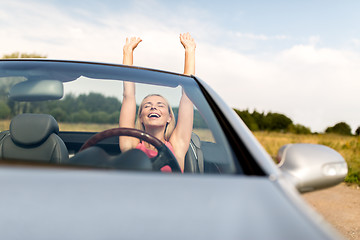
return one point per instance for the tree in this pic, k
(340, 128)
(23, 55)
(114, 117)
(277, 121)
(59, 114)
(357, 132)
(198, 120)
(100, 117)
(82, 116)
(270, 122)
(299, 129)
(95, 102)
(4, 110)
(259, 119)
(248, 119)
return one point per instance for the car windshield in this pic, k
(85, 99)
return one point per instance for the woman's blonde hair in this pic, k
(169, 127)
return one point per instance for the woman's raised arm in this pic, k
(180, 139)
(128, 107)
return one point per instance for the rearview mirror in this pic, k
(38, 90)
(311, 167)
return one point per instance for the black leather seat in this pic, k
(194, 159)
(34, 137)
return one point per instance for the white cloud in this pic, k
(316, 87)
(262, 37)
(355, 43)
(252, 36)
(313, 40)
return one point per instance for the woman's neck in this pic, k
(157, 132)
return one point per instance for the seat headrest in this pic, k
(32, 129)
(195, 139)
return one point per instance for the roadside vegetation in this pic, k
(274, 130)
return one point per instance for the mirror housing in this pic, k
(311, 166)
(37, 90)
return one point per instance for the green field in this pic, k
(347, 146)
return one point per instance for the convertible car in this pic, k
(63, 175)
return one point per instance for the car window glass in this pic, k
(113, 90)
(91, 105)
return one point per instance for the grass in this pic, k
(86, 127)
(4, 125)
(347, 146)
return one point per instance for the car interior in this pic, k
(35, 135)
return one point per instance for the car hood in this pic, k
(89, 204)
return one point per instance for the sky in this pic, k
(298, 58)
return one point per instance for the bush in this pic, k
(114, 117)
(299, 129)
(4, 110)
(259, 121)
(248, 119)
(341, 128)
(277, 121)
(357, 132)
(100, 117)
(59, 114)
(81, 116)
(353, 176)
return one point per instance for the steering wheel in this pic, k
(163, 158)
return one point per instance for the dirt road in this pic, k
(340, 206)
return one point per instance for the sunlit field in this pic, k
(86, 127)
(347, 146)
(4, 125)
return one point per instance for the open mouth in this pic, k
(153, 115)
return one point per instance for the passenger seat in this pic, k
(194, 158)
(34, 137)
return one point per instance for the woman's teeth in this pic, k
(153, 115)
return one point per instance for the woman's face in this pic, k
(155, 112)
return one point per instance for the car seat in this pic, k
(194, 158)
(33, 137)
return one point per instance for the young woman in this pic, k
(155, 116)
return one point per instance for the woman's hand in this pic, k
(128, 49)
(131, 44)
(189, 44)
(187, 41)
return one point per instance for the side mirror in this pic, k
(311, 167)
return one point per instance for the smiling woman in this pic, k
(155, 115)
